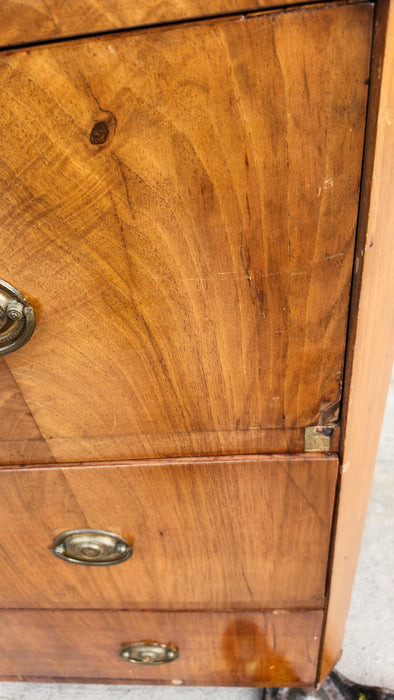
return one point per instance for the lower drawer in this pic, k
(255, 649)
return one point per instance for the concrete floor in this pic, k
(368, 655)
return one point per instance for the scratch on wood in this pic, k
(327, 185)
(300, 490)
(335, 255)
(48, 9)
(244, 253)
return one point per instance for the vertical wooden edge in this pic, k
(370, 338)
(378, 50)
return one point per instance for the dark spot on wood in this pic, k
(99, 133)
(371, 244)
(329, 414)
(366, 82)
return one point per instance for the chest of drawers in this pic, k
(198, 210)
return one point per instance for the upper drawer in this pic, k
(180, 207)
(210, 534)
(33, 20)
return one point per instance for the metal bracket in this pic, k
(318, 438)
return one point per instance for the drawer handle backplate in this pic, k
(17, 319)
(149, 653)
(91, 547)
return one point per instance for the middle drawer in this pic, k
(213, 533)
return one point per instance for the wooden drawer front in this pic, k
(190, 257)
(272, 648)
(243, 534)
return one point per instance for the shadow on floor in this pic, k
(335, 687)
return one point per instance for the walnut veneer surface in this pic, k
(239, 534)
(192, 273)
(45, 20)
(180, 203)
(215, 648)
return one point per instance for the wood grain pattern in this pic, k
(246, 649)
(23, 21)
(193, 272)
(17, 422)
(244, 533)
(371, 337)
(234, 442)
(20, 438)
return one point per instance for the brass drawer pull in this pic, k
(17, 319)
(91, 547)
(149, 653)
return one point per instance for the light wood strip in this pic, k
(371, 338)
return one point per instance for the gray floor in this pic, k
(368, 655)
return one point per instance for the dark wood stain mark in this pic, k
(99, 133)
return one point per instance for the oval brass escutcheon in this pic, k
(17, 319)
(91, 547)
(149, 653)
